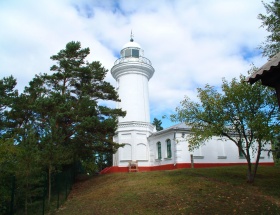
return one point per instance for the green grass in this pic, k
(187, 191)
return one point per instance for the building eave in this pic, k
(181, 127)
(269, 73)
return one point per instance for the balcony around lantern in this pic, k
(139, 59)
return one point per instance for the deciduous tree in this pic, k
(244, 114)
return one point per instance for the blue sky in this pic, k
(190, 43)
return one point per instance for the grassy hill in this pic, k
(186, 191)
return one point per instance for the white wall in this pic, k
(213, 151)
(133, 91)
(136, 148)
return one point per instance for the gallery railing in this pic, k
(133, 59)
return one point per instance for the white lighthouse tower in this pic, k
(157, 150)
(132, 73)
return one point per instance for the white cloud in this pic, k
(190, 43)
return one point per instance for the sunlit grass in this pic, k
(187, 191)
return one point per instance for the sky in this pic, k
(190, 43)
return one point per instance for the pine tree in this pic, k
(271, 21)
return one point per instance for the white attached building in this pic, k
(162, 150)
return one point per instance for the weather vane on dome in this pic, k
(131, 36)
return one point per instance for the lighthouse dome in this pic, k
(131, 44)
(132, 50)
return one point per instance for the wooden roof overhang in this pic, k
(269, 74)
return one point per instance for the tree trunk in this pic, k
(250, 175)
(26, 192)
(50, 184)
(257, 160)
(26, 201)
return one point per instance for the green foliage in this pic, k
(271, 21)
(7, 95)
(57, 121)
(89, 166)
(28, 170)
(8, 163)
(7, 92)
(245, 114)
(88, 125)
(157, 123)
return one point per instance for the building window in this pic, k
(168, 147)
(159, 150)
(241, 155)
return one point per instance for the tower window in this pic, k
(135, 53)
(131, 53)
(127, 53)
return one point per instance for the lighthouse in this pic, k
(132, 72)
(142, 145)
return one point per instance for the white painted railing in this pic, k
(133, 59)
